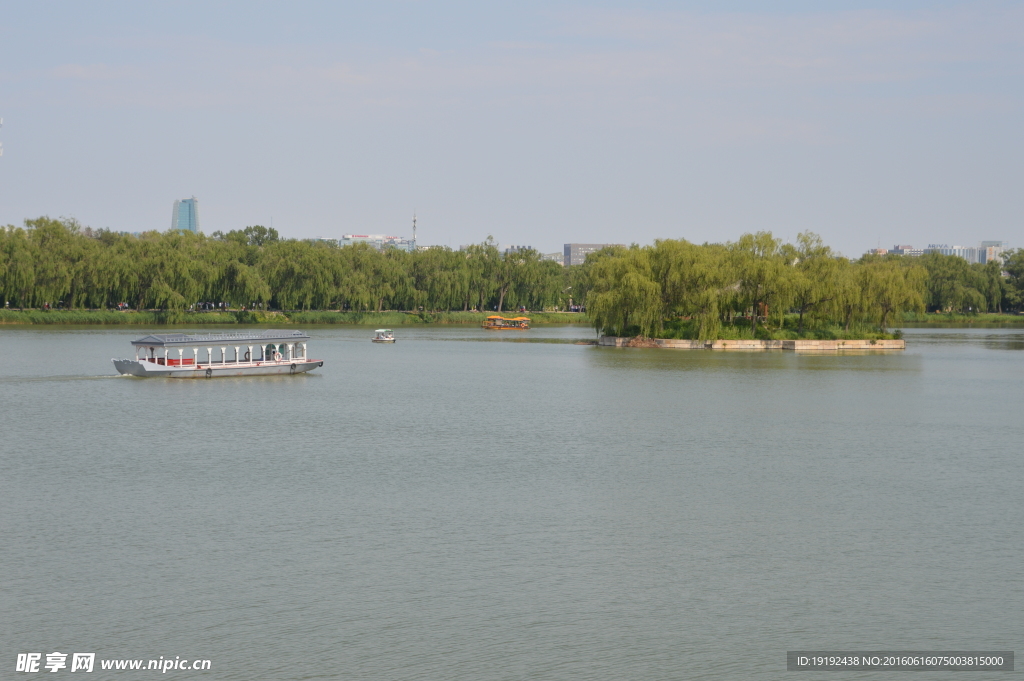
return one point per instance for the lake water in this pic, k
(466, 505)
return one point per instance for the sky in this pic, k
(538, 123)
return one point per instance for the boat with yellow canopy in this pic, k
(498, 323)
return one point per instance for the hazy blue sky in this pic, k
(538, 122)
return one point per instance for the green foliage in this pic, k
(376, 319)
(954, 285)
(704, 291)
(757, 287)
(57, 262)
(113, 317)
(624, 294)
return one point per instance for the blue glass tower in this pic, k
(186, 215)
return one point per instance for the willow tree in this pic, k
(391, 278)
(481, 263)
(113, 276)
(1013, 265)
(56, 255)
(516, 273)
(992, 284)
(953, 284)
(765, 276)
(172, 270)
(300, 275)
(19, 268)
(577, 277)
(624, 295)
(440, 278)
(815, 279)
(893, 287)
(695, 282)
(545, 287)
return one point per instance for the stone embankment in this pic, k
(798, 345)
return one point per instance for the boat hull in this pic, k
(130, 367)
(383, 340)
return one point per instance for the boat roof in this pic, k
(494, 316)
(168, 340)
(520, 319)
(383, 331)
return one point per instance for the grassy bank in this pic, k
(309, 317)
(952, 321)
(113, 317)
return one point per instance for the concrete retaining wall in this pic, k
(797, 345)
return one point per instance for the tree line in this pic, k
(60, 263)
(758, 280)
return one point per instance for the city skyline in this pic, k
(985, 251)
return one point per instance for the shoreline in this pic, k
(753, 344)
(35, 317)
(258, 318)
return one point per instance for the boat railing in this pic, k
(190, 361)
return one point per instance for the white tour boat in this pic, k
(383, 336)
(182, 355)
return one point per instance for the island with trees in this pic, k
(761, 288)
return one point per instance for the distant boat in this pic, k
(383, 336)
(496, 323)
(270, 352)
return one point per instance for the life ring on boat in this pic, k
(209, 372)
(246, 355)
(277, 356)
(293, 367)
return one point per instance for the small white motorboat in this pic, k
(383, 336)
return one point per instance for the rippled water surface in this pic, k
(466, 505)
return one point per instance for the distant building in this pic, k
(985, 252)
(515, 249)
(378, 241)
(185, 215)
(991, 250)
(906, 249)
(556, 257)
(382, 241)
(576, 254)
(968, 253)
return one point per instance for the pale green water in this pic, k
(450, 508)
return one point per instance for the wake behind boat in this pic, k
(180, 355)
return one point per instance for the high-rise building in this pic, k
(185, 215)
(576, 254)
